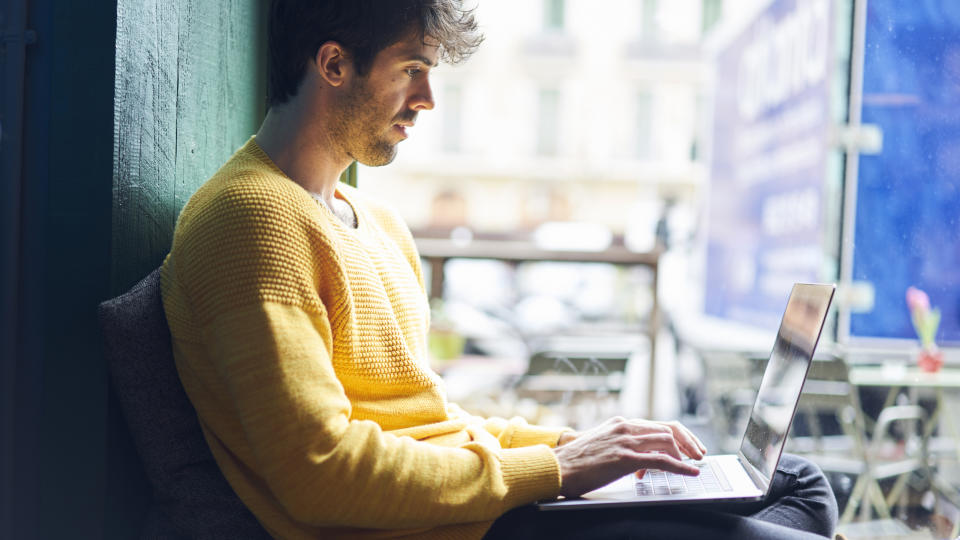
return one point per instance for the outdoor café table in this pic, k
(899, 376)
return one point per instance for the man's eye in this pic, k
(412, 71)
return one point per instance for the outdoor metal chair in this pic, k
(891, 447)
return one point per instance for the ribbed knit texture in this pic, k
(302, 344)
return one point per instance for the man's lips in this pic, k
(401, 127)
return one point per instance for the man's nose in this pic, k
(422, 99)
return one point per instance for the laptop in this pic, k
(746, 475)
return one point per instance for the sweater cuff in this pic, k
(531, 474)
(531, 435)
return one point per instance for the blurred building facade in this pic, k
(572, 110)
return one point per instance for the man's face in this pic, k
(376, 109)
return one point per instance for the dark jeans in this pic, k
(801, 505)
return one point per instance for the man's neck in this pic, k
(293, 137)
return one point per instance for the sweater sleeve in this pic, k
(255, 284)
(515, 432)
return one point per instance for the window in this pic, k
(452, 119)
(644, 125)
(649, 28)
(711, 12)
(547, 123)
(741, 152)
(553, 14)
(701, 115)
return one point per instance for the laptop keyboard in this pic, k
(657, 482)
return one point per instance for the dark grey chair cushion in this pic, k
(192, 499)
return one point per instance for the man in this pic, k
(299, 317)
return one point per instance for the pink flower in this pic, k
(917, 300)
(925, 320)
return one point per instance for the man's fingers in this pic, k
(689, 442)
(620, 446)
(703, 447)
(696, 440)
(666, 463)
(686, 443)
(641, 427)
(691, 446)
(657, 442)
(682, 439)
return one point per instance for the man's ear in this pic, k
(332, 63)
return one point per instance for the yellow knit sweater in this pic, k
(302, 343)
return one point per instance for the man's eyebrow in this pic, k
(423, 59)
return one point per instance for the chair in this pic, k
(192, 499)
(827, 392)
(865, 450)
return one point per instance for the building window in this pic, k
(553, 14)
(712, 11)
(452, 119)
(644, 126)
(548, 122)
(649, 27)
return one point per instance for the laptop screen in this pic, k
(783, 378)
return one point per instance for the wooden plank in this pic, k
(144, 136)
(220, 93)
(189, 92)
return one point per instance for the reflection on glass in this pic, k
(906, 231)
(783, 379)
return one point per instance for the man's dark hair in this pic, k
(364, 28)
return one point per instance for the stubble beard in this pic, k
(359, 129)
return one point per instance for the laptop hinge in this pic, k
(758, 479)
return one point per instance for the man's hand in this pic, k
(567, 436)
(617, 447)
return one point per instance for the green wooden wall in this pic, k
(128, 106)
(189, 91)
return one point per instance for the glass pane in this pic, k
(554, 14)
(649, 28)
(452, 119)
(644, 125)
(712, 10)
(548, 122)
(908, 196)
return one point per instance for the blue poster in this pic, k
(908, 196)
(769, 161)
